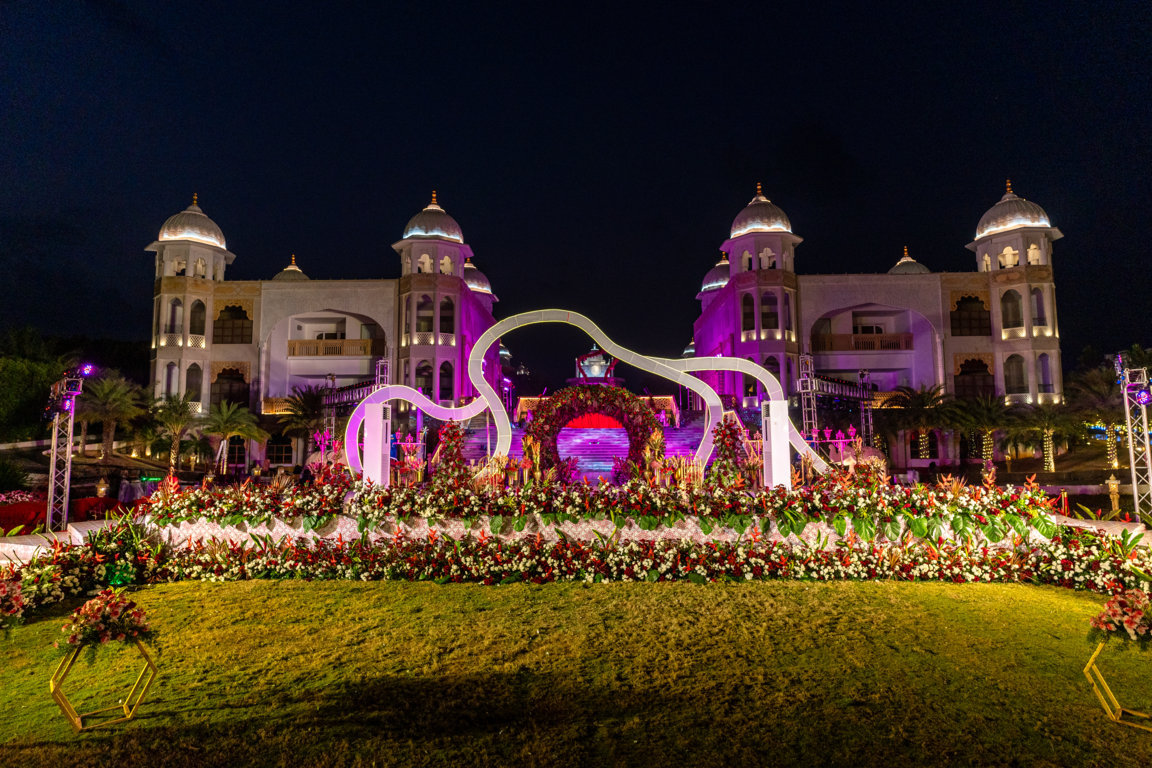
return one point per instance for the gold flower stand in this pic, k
(128, 706)
(1116, 713)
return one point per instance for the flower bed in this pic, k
(862, 505)
(1079, 561)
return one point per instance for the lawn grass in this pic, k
(668, 674)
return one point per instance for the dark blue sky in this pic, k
(594, 154)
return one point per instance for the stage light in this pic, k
(1143, 396)
(87, 369)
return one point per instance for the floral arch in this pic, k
(573, 402)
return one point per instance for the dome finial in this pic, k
(434, 198)
(194, 199)
(906, 252)
(1008, 185)
(294, 257)
(759, 191)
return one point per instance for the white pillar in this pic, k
(376, 436)
(776, 452)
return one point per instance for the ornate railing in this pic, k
(861, 342)
(196, 341)
(336, 347)
(171, 340)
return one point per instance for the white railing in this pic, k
(196, 341)
(335, 347)
(423, 339)
(171, 340)
(447, 340)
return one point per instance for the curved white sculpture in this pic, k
(778, 434)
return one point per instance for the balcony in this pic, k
(336, 347)
(862, 342)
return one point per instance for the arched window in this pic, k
(232, 326)
(1034, 257)
(747, 313)
(1015, 377)
(171, 380)
(194, 382)
(1009, 257)
(787, 311)
(769, 316)
(196, 318)
(971, 318)
(1044, 373)
(424, 264)
(446, 265)
(447, 382)
(424, 378)
(767, 259)
(1038, 316)
(748, 262)
(424, 311)
(1011, 310)
(974, 380)
(407, 373)
(230, 386)
(447, 316)
(279, 450)
(201, 268)
(772, 365)
(175, 317)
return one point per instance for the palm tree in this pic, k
(1096, 395)
(305, 415)
(109, 400)
(227, 420)
(175, 415)
(921, 409)
(1049, 421)
(985, 414)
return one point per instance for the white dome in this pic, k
(291, 272)
(908, 266)
(1011, 212)
(433, 222)
(760, 215)
(717, 277)
(192, 224)
(476, 280)
(690, 350)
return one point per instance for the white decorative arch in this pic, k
(782, 431)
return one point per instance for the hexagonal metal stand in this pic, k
(1115, 712)
(129, 705)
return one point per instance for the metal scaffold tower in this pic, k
(807, 387)
(381, 373)
(811, 387)
(62, 407)
(1134, 383)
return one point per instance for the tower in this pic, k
(749, 300)
(445, 303)
(191, 256)
(1013, 246)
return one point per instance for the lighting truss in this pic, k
(1134, 382)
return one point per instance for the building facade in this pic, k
(254, 342)
(989, 331)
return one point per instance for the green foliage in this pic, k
(24, 388)
(110, 400)
(12, 477)
(305, 414)
(175, 415)
(725, 469)
(451, 472)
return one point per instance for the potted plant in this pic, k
(1127, 619)
(110, 617)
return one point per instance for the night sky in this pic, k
(594, 155)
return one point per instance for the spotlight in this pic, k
(87, 369)
(1143, 396)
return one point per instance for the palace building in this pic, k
(255, 341)
(988, 331)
